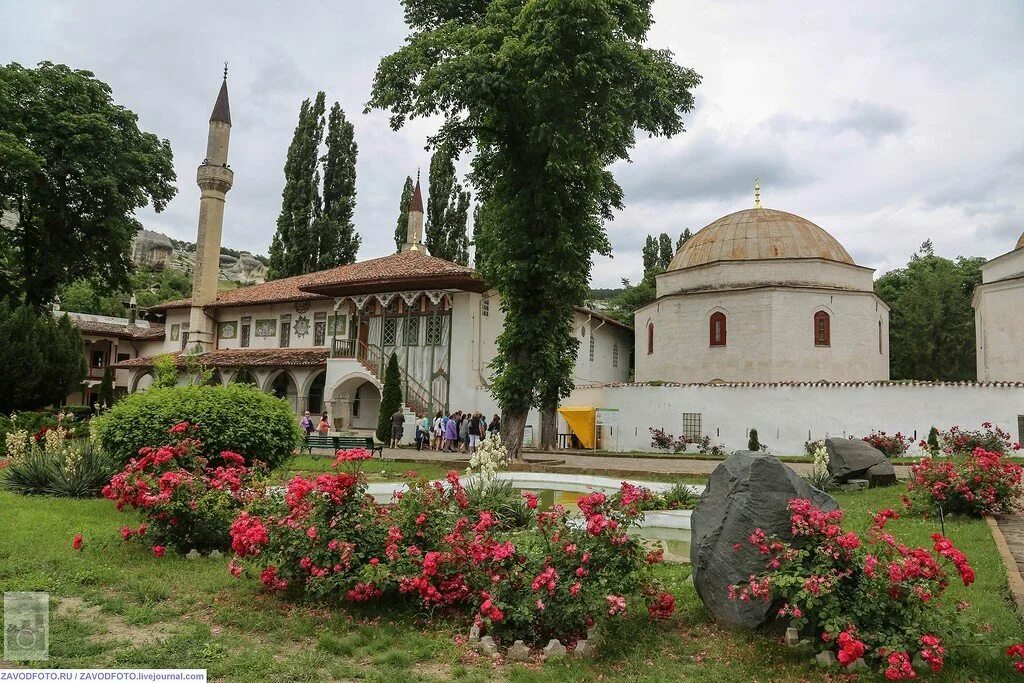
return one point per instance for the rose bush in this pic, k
(863, 595)
(957, 441)
(188, 501)
(982, 483)
(892, 445)
(324, 538)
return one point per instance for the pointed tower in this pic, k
(414, 236)
(214, 179)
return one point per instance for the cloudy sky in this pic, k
(885, 123)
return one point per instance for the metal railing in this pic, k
(418, 397)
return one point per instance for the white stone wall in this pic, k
(999, 331)
(787, 416)
(745, 273)
(770, 337)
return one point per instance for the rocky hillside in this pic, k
(156, 250)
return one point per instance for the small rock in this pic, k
(474, 634)
(518, 652)
(585, 648)
(594, 636)
(792, 637)
(554, 649)
(215, 554)
(487, 646)
(826, 659)
(858, 665)
(193, 554)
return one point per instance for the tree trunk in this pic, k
(548, 428)
(513, 426)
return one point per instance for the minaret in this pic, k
(414, 236)
(214, 179)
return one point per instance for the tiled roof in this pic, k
(407, 269)
(734, 385)
(396, 272)
(602, 316)
(115, 327)
(221, 109)
(416, 200)
(285, 289)
(237, 358)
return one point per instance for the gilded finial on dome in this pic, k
(757, 193)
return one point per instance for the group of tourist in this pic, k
(461, 431)
(308, 427)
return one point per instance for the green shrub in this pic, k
(933, 440)
(235, 417)
(753, 444)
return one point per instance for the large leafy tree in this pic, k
(338, 241)
(402, 227)
(41, 356)
(447, 209)
(548, 93)
(74, 167)
(931, 321)
(150, 287)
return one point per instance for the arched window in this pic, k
(650, 338)
(822, 329)
(718, 329)
(880, 337)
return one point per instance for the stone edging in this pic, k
(1014, 580)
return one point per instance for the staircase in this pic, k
(417, 397)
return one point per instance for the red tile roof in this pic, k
(125, 331)
(283, 290)
(416, 200)
(601, 316)
(397, 272)
(236, 358)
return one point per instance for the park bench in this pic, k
(336, 443)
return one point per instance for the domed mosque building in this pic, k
(763, 295)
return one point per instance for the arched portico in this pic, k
(282, 385)
(354, 402)
(142, 380)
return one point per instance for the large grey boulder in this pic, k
(852, 458)
(746, 491)
(882, 474)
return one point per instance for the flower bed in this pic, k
(326, 539)
(189, 502)
(864, 596)
(957, 441)
(982, 483)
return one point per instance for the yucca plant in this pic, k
(78, 471)
(502, 499)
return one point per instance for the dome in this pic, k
(756, 234)
(1020, 242)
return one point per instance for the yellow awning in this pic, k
(581, 423)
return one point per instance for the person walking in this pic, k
(306, 423)
(451, 432)
(397, 427)
(474, 433)
(464, 433)
(324, 425)
(438, 432)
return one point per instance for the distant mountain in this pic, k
(158, 251)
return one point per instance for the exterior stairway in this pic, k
(417, 397)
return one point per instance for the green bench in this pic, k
(336, 443)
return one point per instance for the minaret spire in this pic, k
(414, 235)
(757, 193)
(214, 179)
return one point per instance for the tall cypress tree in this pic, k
(338, 240)
(665, 251)
(478, 228)
(390, 399)
(650, 253)
(684, 237)
(447, 209)
(293, 249)
(402, 229)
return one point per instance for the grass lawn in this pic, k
(114, 604)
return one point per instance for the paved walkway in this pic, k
(578, 462)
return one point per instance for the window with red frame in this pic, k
(718, 329)
(822, 329)
(650, 338)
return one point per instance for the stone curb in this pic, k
(1014, 580)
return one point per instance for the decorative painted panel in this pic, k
(228, 330)
(175, 332)
(266, 327)
(301, 328)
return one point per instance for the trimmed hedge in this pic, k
(236, 417)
